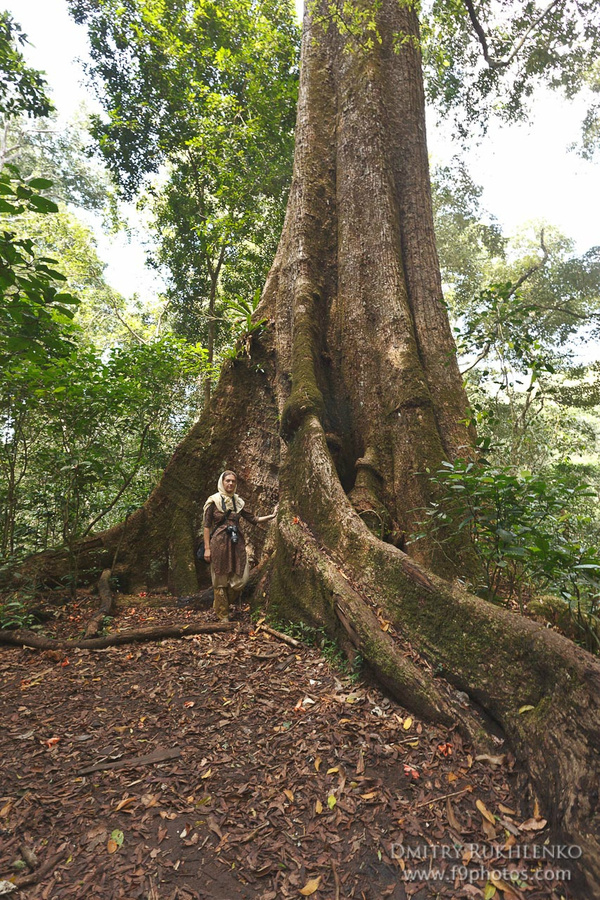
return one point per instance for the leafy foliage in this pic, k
(14, 612)
(22, 89)
(49, 149)
(521, 306)
(488, 58)
(35, 311)
(84, 431)
(208, 91)
(527, 529)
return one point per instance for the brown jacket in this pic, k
(227, 557)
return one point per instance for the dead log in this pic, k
(139, 635)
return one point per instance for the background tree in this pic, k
(45, 147)
(90, 404)
(206, 96)
(522, 307)
(84, 429)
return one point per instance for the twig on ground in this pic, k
(279, 635)
(444, 797)
(133, 762)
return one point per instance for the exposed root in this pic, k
(107, 605)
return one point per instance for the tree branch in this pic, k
(124, 486)
(118, 639)
(504, 63)
(532, 269)
(131, 331)
(535, 268)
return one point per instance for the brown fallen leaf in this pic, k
(311, 887)
(506, 809)
(492, 760)
(485, 812)
(452, 820)
(510, 827)
(125, 803)
(360, 766)
(489, 830)
(533, 824)
(112, 846)
(510, 892)
(318, 807)
(214, 827)
(289, 795)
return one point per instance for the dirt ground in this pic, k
(234, 766)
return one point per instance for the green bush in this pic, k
(528, 533)
(14, 613)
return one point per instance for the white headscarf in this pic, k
(218, 498)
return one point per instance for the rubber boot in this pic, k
(221, 604)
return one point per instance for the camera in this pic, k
(232, 531)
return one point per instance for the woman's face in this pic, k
(229, 483)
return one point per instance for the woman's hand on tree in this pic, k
(207, 555)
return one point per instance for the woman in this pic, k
(224, 546)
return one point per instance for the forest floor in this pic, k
(271, 775)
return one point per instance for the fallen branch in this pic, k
(134, 762)
(158, 633)
(106, 605)
(49, 866)
(280, 635)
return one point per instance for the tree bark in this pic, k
(340, 407)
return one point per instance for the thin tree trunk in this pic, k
(214, 274)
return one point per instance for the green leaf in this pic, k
(39, 184)
(43, 204)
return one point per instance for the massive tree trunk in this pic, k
(338, 409)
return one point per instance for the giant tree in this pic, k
(351, 392)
